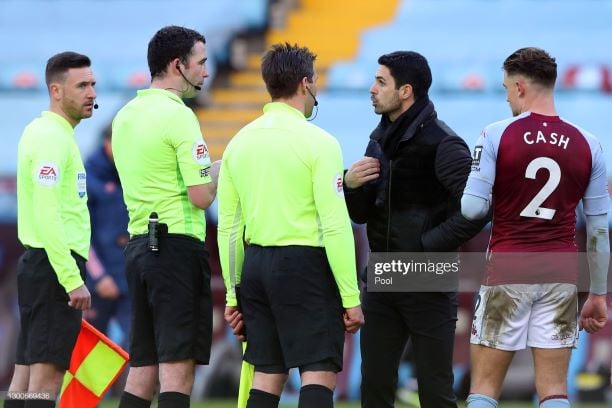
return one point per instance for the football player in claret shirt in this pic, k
(533, 169)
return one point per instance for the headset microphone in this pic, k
(197, 87)
(316, 105)
(95, 105)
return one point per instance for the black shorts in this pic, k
(292, 310)
(171, 300)
(49, 327)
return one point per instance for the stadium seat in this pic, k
(466, 41)
(113, 33)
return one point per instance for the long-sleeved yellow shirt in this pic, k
(281, 184)
(52, 195)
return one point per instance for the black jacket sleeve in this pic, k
(453, 162)
(359, 203)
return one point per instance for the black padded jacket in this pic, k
(415, 204)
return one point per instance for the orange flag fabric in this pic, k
(95, 365)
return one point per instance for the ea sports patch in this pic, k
(47, 174)
(200, 152)
(338, 185)
(81, 184)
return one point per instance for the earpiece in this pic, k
(196, 87)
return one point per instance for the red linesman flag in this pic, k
(95, 365)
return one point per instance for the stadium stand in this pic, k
(466, 41)
(113, 33)
(316, 24)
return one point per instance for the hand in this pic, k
(107, 288)
(214, 170)
(80, 298)
(362, 171)
(233, 317)
(353, 319)
(594, 313)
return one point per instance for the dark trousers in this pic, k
(428, 319)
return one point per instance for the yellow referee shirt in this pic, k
(281, 177)
(159, 152)
(52, 195)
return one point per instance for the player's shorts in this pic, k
(171, 300)
(292, 310)
(49, 327)
(510, 317)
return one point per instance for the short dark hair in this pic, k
(169, 43)
(283, 67)
(408, 67)
(534, 63)
(59, 64)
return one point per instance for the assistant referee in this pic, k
(281, 179)
(53, 225)
(165, 168)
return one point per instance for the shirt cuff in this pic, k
(72, 283)
(349, 301)
(230, 300)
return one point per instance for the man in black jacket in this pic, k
(408, 190)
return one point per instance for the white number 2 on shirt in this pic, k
(533, 209)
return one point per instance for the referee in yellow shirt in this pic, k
(281, 183)
(165, 168)
(53, 225)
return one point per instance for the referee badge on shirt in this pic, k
(81, 184)
(338, 185)
(47, 174)
(200, 152)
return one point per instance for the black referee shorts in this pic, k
(292, 310)
(171, 300)
(49, 327)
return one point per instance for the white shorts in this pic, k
(511, 317)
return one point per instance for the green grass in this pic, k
(232, 404)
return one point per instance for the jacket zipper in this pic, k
(389, 204)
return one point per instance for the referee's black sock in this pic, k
(316, 396)
(39, 403)
(129, 400)
(173, 400)
(262, 399)
(13, 403)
